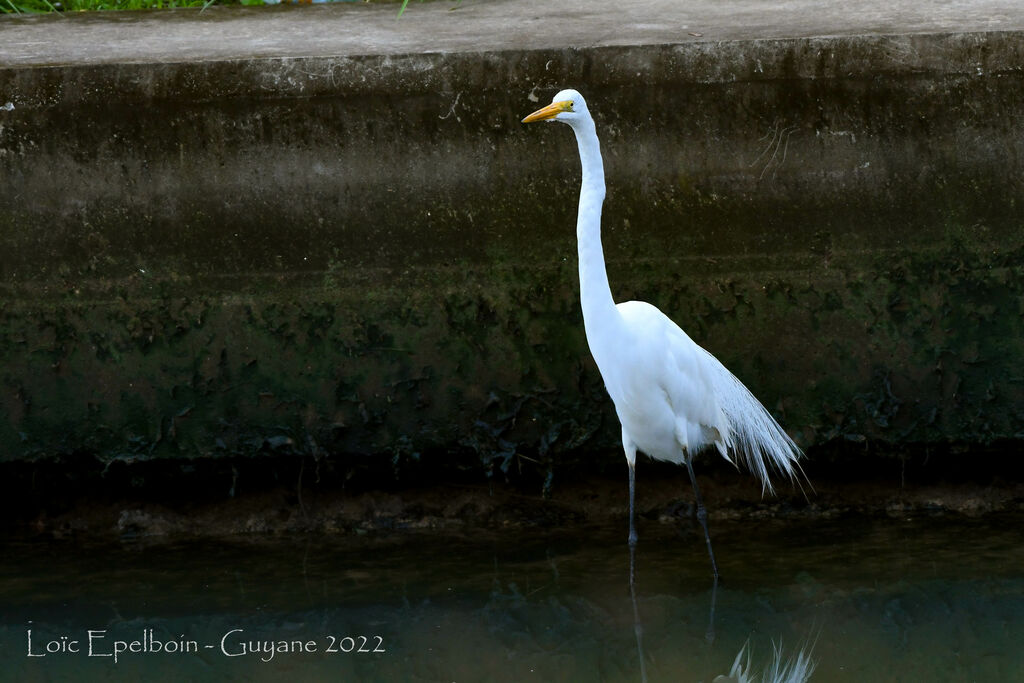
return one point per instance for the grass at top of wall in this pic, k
(44, 6)
(47, 6)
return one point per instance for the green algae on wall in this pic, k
(239, 261)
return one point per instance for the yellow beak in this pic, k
(549, 112)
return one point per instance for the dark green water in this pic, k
(885, 599)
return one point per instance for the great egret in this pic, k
(672, 397)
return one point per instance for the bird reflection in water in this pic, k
(796, 669)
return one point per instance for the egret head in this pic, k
(567, 106)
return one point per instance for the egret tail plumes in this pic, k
(672, 397)
(755, 440)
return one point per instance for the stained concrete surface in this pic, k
(322, 234)
(474, 26)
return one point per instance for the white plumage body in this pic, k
(662, 413)
(673, 398)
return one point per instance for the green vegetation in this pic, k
(37, 6)
(46, 6)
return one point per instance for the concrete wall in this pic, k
(369, 254)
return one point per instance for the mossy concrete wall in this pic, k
(368, 254)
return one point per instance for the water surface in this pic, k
(880, 599)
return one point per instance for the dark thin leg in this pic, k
(632, 495)
(702, 517)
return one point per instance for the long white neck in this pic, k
(599, 310)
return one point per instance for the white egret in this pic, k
(672, 397)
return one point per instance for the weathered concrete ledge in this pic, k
(322, 232)
(473, 26)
